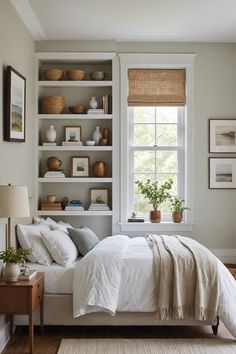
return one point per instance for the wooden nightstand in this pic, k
(232, 268)
(21, 298)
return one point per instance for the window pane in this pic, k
(144, 114)
(167, 114)
(144, 134)
(167, 161)
(167, 135)
(144, 161)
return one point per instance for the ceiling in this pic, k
(130, 20)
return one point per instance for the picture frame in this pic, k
(99, 196)
(222, 135)
(15, 106)
(72, 133)
(80, 166)
(222, 173)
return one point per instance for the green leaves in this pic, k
(153, 192)
(12, 255)
(177, 204)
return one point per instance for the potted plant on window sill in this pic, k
(177, 209)
(12, 258)
(156, 194)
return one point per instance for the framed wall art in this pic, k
(222, 135)
(222, 173)
(72, 134)
(15, 106)
(80, 166)
(99, 196)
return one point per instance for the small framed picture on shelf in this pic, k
(80, 166)
(222, 135)
(99, 196)
(222, 173)
(73, 134)
(14, 123)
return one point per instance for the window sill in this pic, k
(163, 226)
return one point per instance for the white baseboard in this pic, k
(4, 336)
(225, 255)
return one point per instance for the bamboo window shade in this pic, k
(156, 87)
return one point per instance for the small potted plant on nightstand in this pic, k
(156, 194)
(12, 258)
(177, 209)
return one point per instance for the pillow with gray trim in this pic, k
(84, 239)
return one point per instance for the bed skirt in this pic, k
(58, 311)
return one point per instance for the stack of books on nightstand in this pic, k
(51, 206)
(28, 274)
(53, 174)
(98, 207)
(74, 207)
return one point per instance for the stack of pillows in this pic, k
(51, 241)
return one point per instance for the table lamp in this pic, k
(14, 202)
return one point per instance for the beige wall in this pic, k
(17, 50)
(214, 97)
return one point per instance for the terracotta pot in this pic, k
(99, 169)
(177, 216)
(53, 163)
(155, 216)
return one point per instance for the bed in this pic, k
(135, 305)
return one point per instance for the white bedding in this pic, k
(57, 279)
(127, 284)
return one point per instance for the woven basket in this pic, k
(52, 104)
(76, 74)
(53, 74)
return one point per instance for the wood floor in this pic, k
(50, 341)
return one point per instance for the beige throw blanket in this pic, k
(186, 276)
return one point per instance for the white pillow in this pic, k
(29, 236)
(60, 246)
(62, 226)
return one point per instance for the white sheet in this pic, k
(57, 279)
(130, 275)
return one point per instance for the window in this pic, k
(156, 148)
(156, 140)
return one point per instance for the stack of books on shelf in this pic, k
(58, 173)
(107, 104)
(72, 143)
(51, 206)
(98, 207)
(95, 111)
(49, 144)
(74, 207)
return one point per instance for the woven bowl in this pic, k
(77, 109)
(53, 74)
(76, 74)
(52, 104)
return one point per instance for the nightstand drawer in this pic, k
(14, 300)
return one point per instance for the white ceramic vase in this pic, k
(97, 135)
(93, 103)
(51, 134)
(11, 272)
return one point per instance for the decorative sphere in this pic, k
(53, 163)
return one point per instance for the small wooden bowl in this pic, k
(53, 74)
(77, 109)
(76, 74)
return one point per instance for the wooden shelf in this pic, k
(74, 116)
(71, 83)
(74, 180)
(74, 148)
(74, 213)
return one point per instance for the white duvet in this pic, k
(118, 275)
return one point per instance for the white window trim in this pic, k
(156, 61)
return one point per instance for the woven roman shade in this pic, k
(156, 87)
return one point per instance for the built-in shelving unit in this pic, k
(78, 93)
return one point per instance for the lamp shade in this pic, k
(14, 201)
